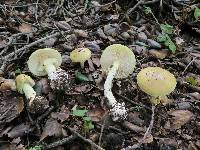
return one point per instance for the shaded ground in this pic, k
(26, 26)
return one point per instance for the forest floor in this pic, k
(162, 33)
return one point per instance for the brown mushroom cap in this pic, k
(37, 58)
(123, 55)
(156, 81)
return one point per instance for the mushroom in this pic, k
(7, 84)
(80, 55)
(24, 84)
(46, 62)
(117, 61)
(156, 82)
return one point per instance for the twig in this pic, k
(101, 133)
(132, 9)
(7, 57)
(148, 131)
(6, 112)
(60, 142)
(45, 114)
(85, 140)
(190, 63)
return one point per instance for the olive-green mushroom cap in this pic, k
(80, 55)
(21, 80)
(156, 81)
(37, 59)
(123, 55)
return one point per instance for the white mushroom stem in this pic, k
(29, 93)
(82, 64)
(50, 67)
(118, 110)
(108, 84)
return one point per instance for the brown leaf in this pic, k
(50, 42)
(8, 109)
(3, 42)
(148, 139)
(83, 88)
(13, 145)
(7, 84)
(19, 130)
(96, 114)
(161, 54)
(91, 66)
(20, 105)
(101, 33)
(24, 28)
(195, 95)
(51, 128)
(63, 115)
(42, 86)
(180, 117)
(80, 33)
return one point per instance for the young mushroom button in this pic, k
(117, 61)
(80, 55)
(156, 82)
(36, 104)
(47, 62)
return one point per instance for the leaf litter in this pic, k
(160, 34)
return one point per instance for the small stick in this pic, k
(7, 57)
(85, 140)
(148, 131)
(45, 114)
(6, 112)
(101, 133)
(190, 63)
(60, 142)
(132, 9)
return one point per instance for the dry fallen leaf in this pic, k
(83, 88)
(9, 106)
(51, 128)
(80, 33)
(19, 130)
(148, 139)
(20, 105)
(161, 54)
(7, 84)
(13, 145)
(180, 117)
(25, 28)
(63, 115)
(96, 114)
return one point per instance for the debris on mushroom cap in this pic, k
(121, 53)
(39, 105)
(119, 112)
(156, 81)
(37, 58)
(59, 79)
(7, 84)
(21, 80)
(80, 55)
